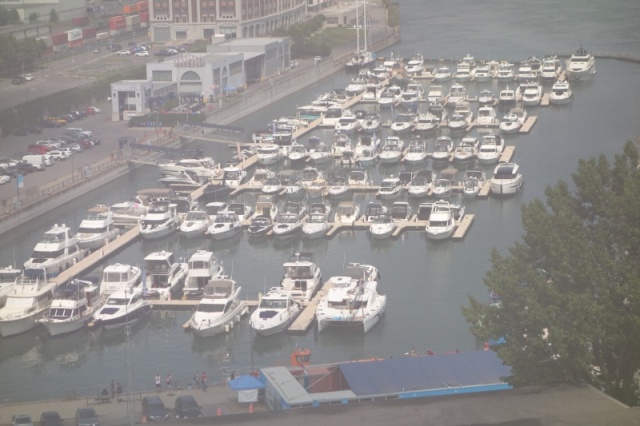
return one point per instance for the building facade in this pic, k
(66, 9)
(202, 19)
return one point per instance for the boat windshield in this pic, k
(210, 308)
(273, 303)
(298, 272)
(51, 237)
(117, 301)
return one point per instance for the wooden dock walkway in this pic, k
(545, 100)
(528, 124)
(98, 256)
(308, 314)
(507, 154)
(463, 227)
(484, 190)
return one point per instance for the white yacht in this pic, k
(411, 96)
(164, 277)
(272, 186)
(472, 182)
(119, 276)
(219, 309)
(435, 94)
(8, 276)
(213, 208)
(482, 74)
(268, 154)
(441, 221)
(421, 184)
(348, 123)
(333, 114)
(457, 95)
(416, 153)
(367, 149)
(486, 98)
(467, 150)
(353, 301)
(233, 176)
(442, 188)
(160, 220)
(487, 116)
(203, 267)
(372, 211)
(491, 148)
(415, 64)
(464, 72)
(286, 225)
(297, 154)
(202, 167)
(338, 188)
(403, 123)
(341, 144)
(392, 150)
(550, 70)
(505, 72)
(302, 278)
(242, 210)
(382, 227)
(226, 225)
(72, 307)
(461, 118)
(123, 307)
(390, 188)
(513, 120)
(276, 311)
(372, 123)
(57, 251)
(506, 179)
(581, 65)
(347, 212)
(195, 224)
(426, 122)
(266, 206)
(29, 300)
(259, 176)
(316, 226)
(507, 97)
(561, 93)
(526, 73)
(390, 97)
(97, 229)
(310, 175)
(442, 74)
(442, 149)
(530, 93)
(321, 155)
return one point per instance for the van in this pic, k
(37, 161)
(153, 408)
(186, 407)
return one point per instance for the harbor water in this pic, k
(426, 283)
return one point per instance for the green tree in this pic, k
(53, 16)
(570, 291)
(14, 17)
(33, 17)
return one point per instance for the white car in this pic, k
(29, 77)
(59, 154)
(142, 53)
(4, 179)
(50, 144)
(122, 53)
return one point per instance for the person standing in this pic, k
(168, 381)
(203, 379)
(158, 383)
(113, 389)
(196, 380)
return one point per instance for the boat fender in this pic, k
(238, 318)
(230, 325)
(226, 328)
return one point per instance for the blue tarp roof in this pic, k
(423, 373)
(246, 382)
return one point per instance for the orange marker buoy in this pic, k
(219, 412)
(251, 408)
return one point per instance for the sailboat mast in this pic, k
(364, 18)
(357, 27)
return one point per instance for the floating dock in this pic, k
(528, 124)
(308, 314)
(507, 154)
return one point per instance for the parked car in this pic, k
(59, 155)
(86, 416)
(92, 110)
(38, 149)
(34, 129)
(51, 418)
(49, 143)
(76, 147)
(142, 53)
(21, 131)
(153, 408)
(79, 131)
(18, 80)
(49, 123)
(96, 51)
(186, 407)
(21, 420)
(4, 178)
(67, 117)
(29, 77)
(60, 121)
(122, 53)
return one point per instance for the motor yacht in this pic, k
(505, 72)
(72, 307)
(441, 221)
(486, 98)
(382, 227)
(97, 229)
(213, 208)
(472, 182)
(526, 73)
(426, 122)
(421, 184)
(348, 123)
(457, 95)
(202, 167)
(203, 266)
(550, 70)
(164, 277)
(442, 188)
(435, 94)
(467, 150)
(487, 117)
(119, 276)
(356, 86)
(338, 188)
(195, 224)
(259, 176)
(513, 120)
(352, 302)
(8, 276)
(367, 149)
(276, 311)
(260, 226)
(389, 97)
(219, 309)
(415, 65)
(561, 93)
(506, 179)
(266, 206)
(28, 301)
(411, 96)
(297, 154)
(341, 144)
(442, 149)
(400, 211)
(530, 93)
(390, 188)
(347, 212)
(242, 210)
(55, 252)
(233, 176)
(372, 123)
(482, 74)
(286, 225)
(507, 97)
(123, 307)
(491, 148)
(321, 155)
(301, 278)
(403, 123)
(268, 154)
(461, 118)
(581, 65)
(316, 226)
(160, 220)
(442, 74)
(392, 150)
(464, 73)
(333, 114)
(372, 211)
(416, 153)
(226, 225)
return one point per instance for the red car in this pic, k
(38, 149)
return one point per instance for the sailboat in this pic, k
(362, 58)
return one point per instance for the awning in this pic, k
(245, 382)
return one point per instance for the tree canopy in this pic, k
(569, 293)
(16, 53)
(8, 16)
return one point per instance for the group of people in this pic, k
(200, 380)
(116, 389)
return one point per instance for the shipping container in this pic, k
(117, 23)
(126, 10)
(46, 39)
(114, 33)
(144, 17)
(143, 6)
(103, 35)
(80, 21)
(89, 32)
(59, 39)
(102, 26)
(133, 21)
(76, 43)
(74, 34)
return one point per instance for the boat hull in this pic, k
(361, 324)
(121, 320)
(220, 325)
(97, 241)
(506, 188)
(12, 327)
(60, 328)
